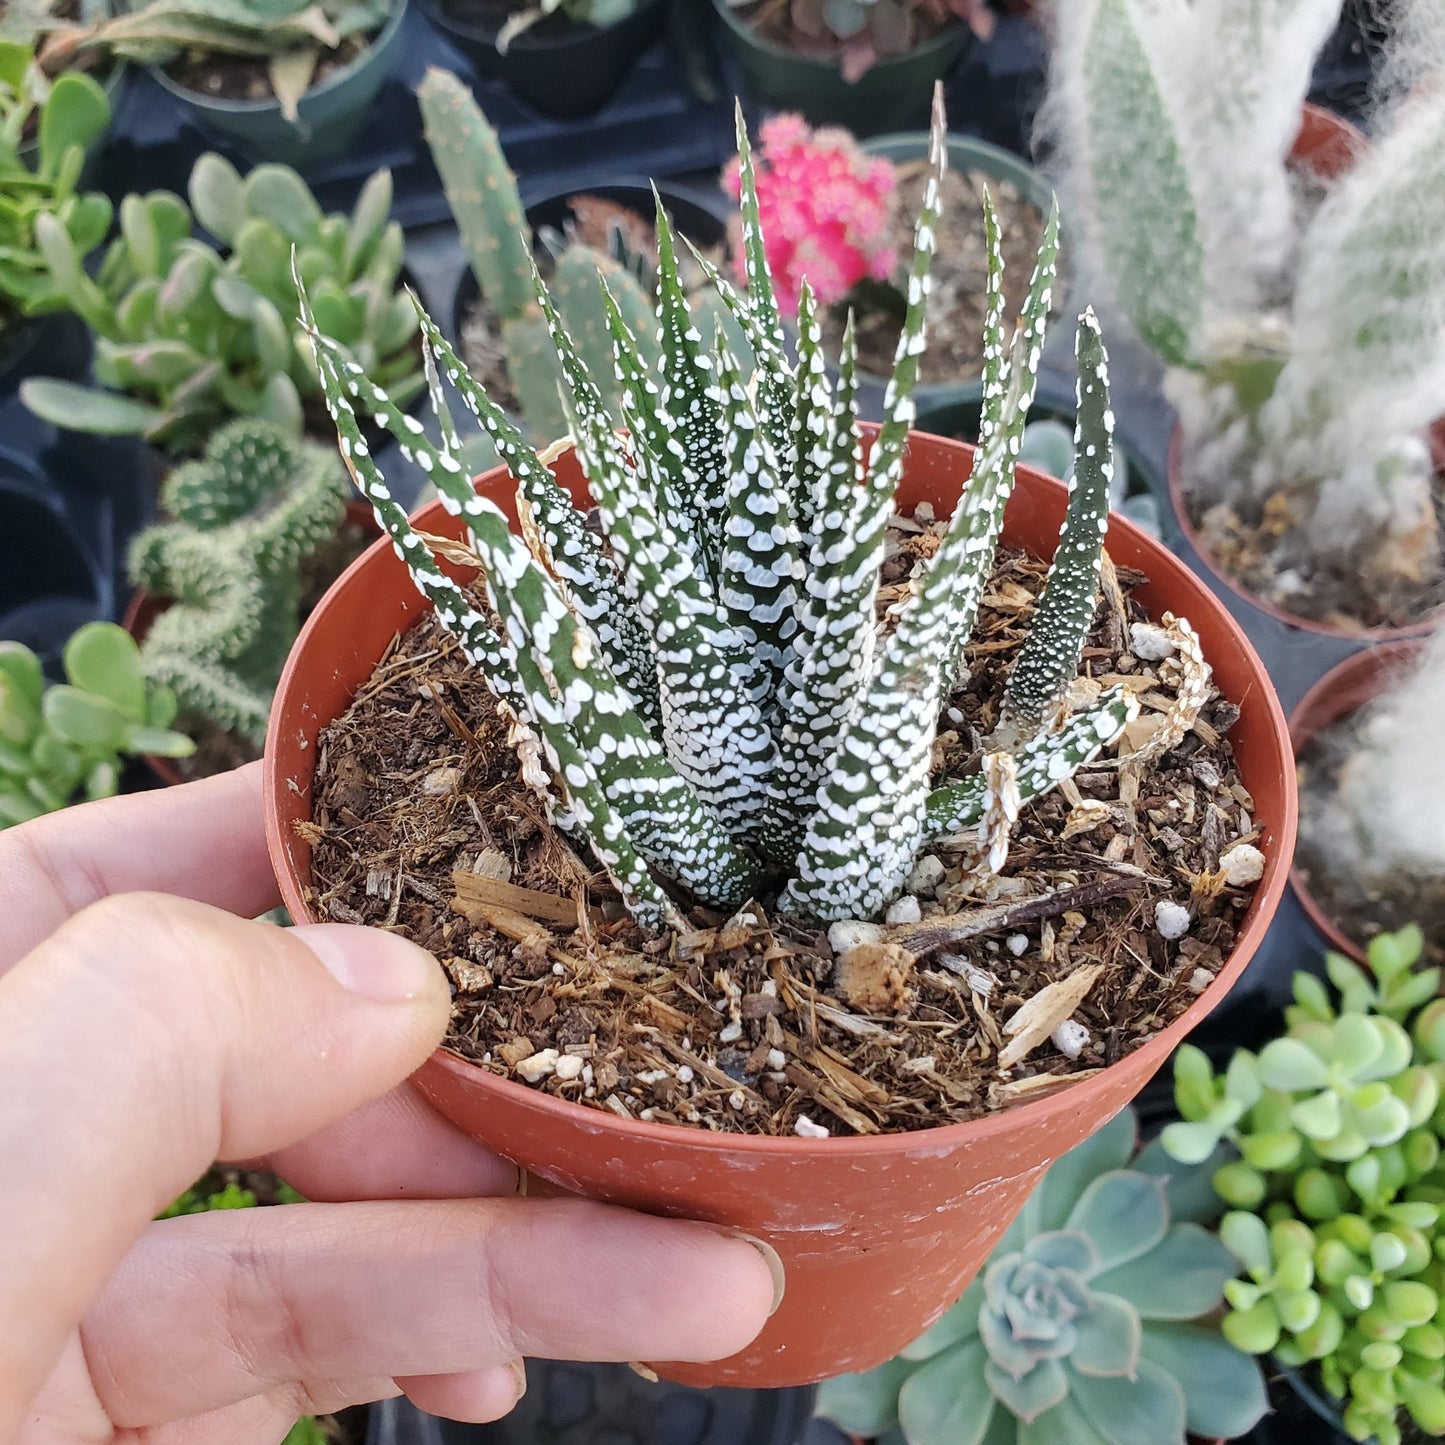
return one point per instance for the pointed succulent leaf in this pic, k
(1063, 1425)
(813, 418)
(1124, 1213)
(947, 1400)
(1141, 1411)
(1103, 1152)
(1030, 1394)
(1050, 657)
(1181, 1278)
(1064, 1249)
(958, 1324)
(1108, 1336)
(865, 1403)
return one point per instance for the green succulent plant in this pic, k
(711, 691)
(68, 739)
(1335, 1179)
(290, 35)
(245, 517)
(39, 193)
(188, 337)
(482, 193)
(581, 12)
(1085, 1326)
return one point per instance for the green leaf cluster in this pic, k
(69, 739)
(189, 336)
(1336, 1185)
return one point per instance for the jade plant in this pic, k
(1304, 342)
(68, 740)
(40, 197)
(245, 517)
(291, 36)
(1089, 1324)
(482, 193)
(710, 690)
(1335, 1185)
(188, 337)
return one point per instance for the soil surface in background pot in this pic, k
(772, 21)
(959, 275)
(493, 14)
(242, 77)
(749, 1024)
(1359, 907)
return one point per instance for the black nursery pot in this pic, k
(566, 74)
(577, 1404)
(701, 216)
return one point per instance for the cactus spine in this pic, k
(246, 515)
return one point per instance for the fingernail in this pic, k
(519, 1369)
(774, 1263)
(372, 964)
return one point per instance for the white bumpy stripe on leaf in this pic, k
(1050, 658)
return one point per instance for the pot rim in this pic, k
(941, 1138)
(1327, 702)
(536, 45)
(956, 33)
(223, 105)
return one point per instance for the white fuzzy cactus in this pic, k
(716, 702)
(1307, 353)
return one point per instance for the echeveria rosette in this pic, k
(1082, 1329)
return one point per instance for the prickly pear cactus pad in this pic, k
(876, 823)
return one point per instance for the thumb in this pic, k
(150, 1036)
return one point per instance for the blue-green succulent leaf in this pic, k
(1106, 1150)
(947, 1401)
(1108, 1337)
(1181, 1278)
(1146, 1410)
(1124, 1213)
(1029, 1395)
(1224, 1392)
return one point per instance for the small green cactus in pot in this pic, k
(1088, 1325)
(1333, 1134)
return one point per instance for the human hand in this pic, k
(145, 1035)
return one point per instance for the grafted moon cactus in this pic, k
(1083, 1328)
(716, 701)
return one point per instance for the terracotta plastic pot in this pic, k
(1327, 145)
(1345, 689)
(879, 1235)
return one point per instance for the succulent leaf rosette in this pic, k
(715, 703)
(1084, 1327)
(1336, 1187)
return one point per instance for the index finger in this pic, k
(204, 840)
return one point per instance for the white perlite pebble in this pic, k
(1170, 919)
(776, 1059)
(731, 1034)
(1069, 1038)
(441, 781)
(926, 876)
(807, 1129)
(904, 910)
(569, 1066)
(1199, 980)
(539, 1066)
(1149, 642)
(850, 933)
(1242, 864)
(1017, 944)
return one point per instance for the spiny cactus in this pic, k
(1084, 1328)
(482, 193)
(39, 199)
(292, 35)
(711, 690)
(1174, 126)
(187, 338)
(1337, 1185)
(246, 516)
(60, 741)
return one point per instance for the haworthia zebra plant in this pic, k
(718, 709)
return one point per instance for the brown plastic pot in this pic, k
(1344, 689)
(1327, 145)
(878, 1235)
